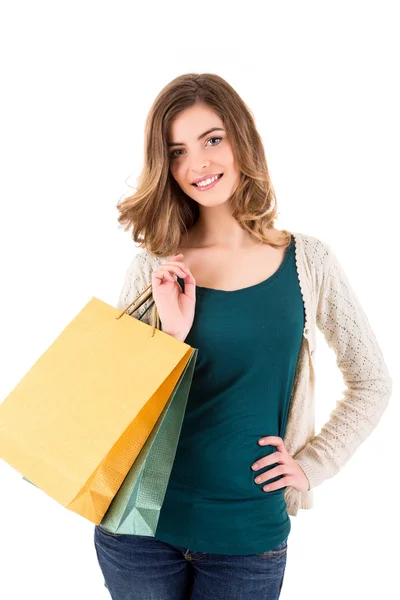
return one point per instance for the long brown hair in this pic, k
(159, 212)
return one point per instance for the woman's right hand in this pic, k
(175, 308)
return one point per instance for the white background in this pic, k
(78, 78)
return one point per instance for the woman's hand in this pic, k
(293, 474)
(175, 308)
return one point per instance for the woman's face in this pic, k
(195, 151)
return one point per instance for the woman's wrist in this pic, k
(179, 336)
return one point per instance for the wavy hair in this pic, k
(160, 212)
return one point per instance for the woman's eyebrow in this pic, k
(199, 138)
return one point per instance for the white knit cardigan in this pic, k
(331, 305)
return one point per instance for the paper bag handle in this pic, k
(156, 316)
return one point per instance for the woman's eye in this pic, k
(173, 155)
(214, 138)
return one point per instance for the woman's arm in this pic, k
(347, 331)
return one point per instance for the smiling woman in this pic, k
(249, 298)
(199, 128)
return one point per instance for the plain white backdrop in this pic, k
(78, 78)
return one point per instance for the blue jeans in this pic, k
(139, 567)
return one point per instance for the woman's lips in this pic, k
(208, 187)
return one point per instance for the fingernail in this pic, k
(255, 467)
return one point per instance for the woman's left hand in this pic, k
(293, 474)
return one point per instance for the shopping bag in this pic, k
(135, 508)
(76, 422)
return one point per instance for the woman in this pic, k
(248, 297)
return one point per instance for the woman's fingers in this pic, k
(175, 263)
(167, 271)
(175, 268)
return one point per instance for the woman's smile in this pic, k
(207, 184)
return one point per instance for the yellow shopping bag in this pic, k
(77, 420)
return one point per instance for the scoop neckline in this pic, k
(206, 290)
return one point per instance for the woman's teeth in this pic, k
(206, 182)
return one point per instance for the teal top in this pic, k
(248, 343)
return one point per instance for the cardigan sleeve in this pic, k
(359, 357)
(137, 278)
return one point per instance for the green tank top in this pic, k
(248, 343)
